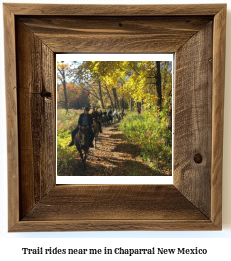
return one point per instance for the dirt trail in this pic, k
(112, 156)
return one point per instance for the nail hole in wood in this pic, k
(120, 24)
(198, 158)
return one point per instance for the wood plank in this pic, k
(12, 122)
(75, 25)
(115, 34)
(26, 187)
(36, 117)
(24, 118)
(37, 130)
(108, 44)
(193, 128)
(48, 164)
(29, 109)
(36, 57)
(108, 202)
(48, 148)
(114, 225)
(47, 70)
(25, 40)
(114, 10)
(218, 114)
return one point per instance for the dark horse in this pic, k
(81, 142)
(95, 129)
(104, 120)
(110, 119)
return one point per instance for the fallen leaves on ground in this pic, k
(112, 156)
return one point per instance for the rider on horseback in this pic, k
(85, 119)
(115, 114)
(96, 116)
(100, 114)
(110, 115)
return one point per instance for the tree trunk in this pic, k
(158, 86)
(122, 103)
(115, 98)
(138, 107)
(100, 95)
(110, 98)
(164, 78)
(170, 116)
(65, 91)
(63, 80)
(131, 103)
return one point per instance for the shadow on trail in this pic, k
(103, 166)
(113, 156)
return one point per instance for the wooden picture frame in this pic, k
(33, 33)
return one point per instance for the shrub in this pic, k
(66, 122)
(149, 131)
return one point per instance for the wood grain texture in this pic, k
(36, 118)
(27, 186)
(195, 202)
(114, 10)
(115, 34)
(218, 114)
(12, 122)
(48, 165)
(114, 225)
(114, 207)
(193, 126)
(108, 202)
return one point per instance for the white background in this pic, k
(217, 243)
(115, 179)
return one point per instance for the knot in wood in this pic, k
(45, 94)
(198, 158)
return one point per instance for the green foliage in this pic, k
(149, 130)
(66, 122)
(66, 155)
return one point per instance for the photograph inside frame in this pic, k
(114, 118)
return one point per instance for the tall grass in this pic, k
(151, 133)
(66, 122)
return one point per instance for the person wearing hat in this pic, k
(85, 119)
(110, 115)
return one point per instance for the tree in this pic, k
(62, 69)
(109, 96)
(158, 86)
(100, 94)
(89, 79)
(140, 84)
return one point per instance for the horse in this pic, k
(104, 120)
(101, 121)
(95, 129)
(110, 118)
(116, 117)
(120, 115)
(81, 142)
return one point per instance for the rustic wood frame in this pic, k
(195, 32)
